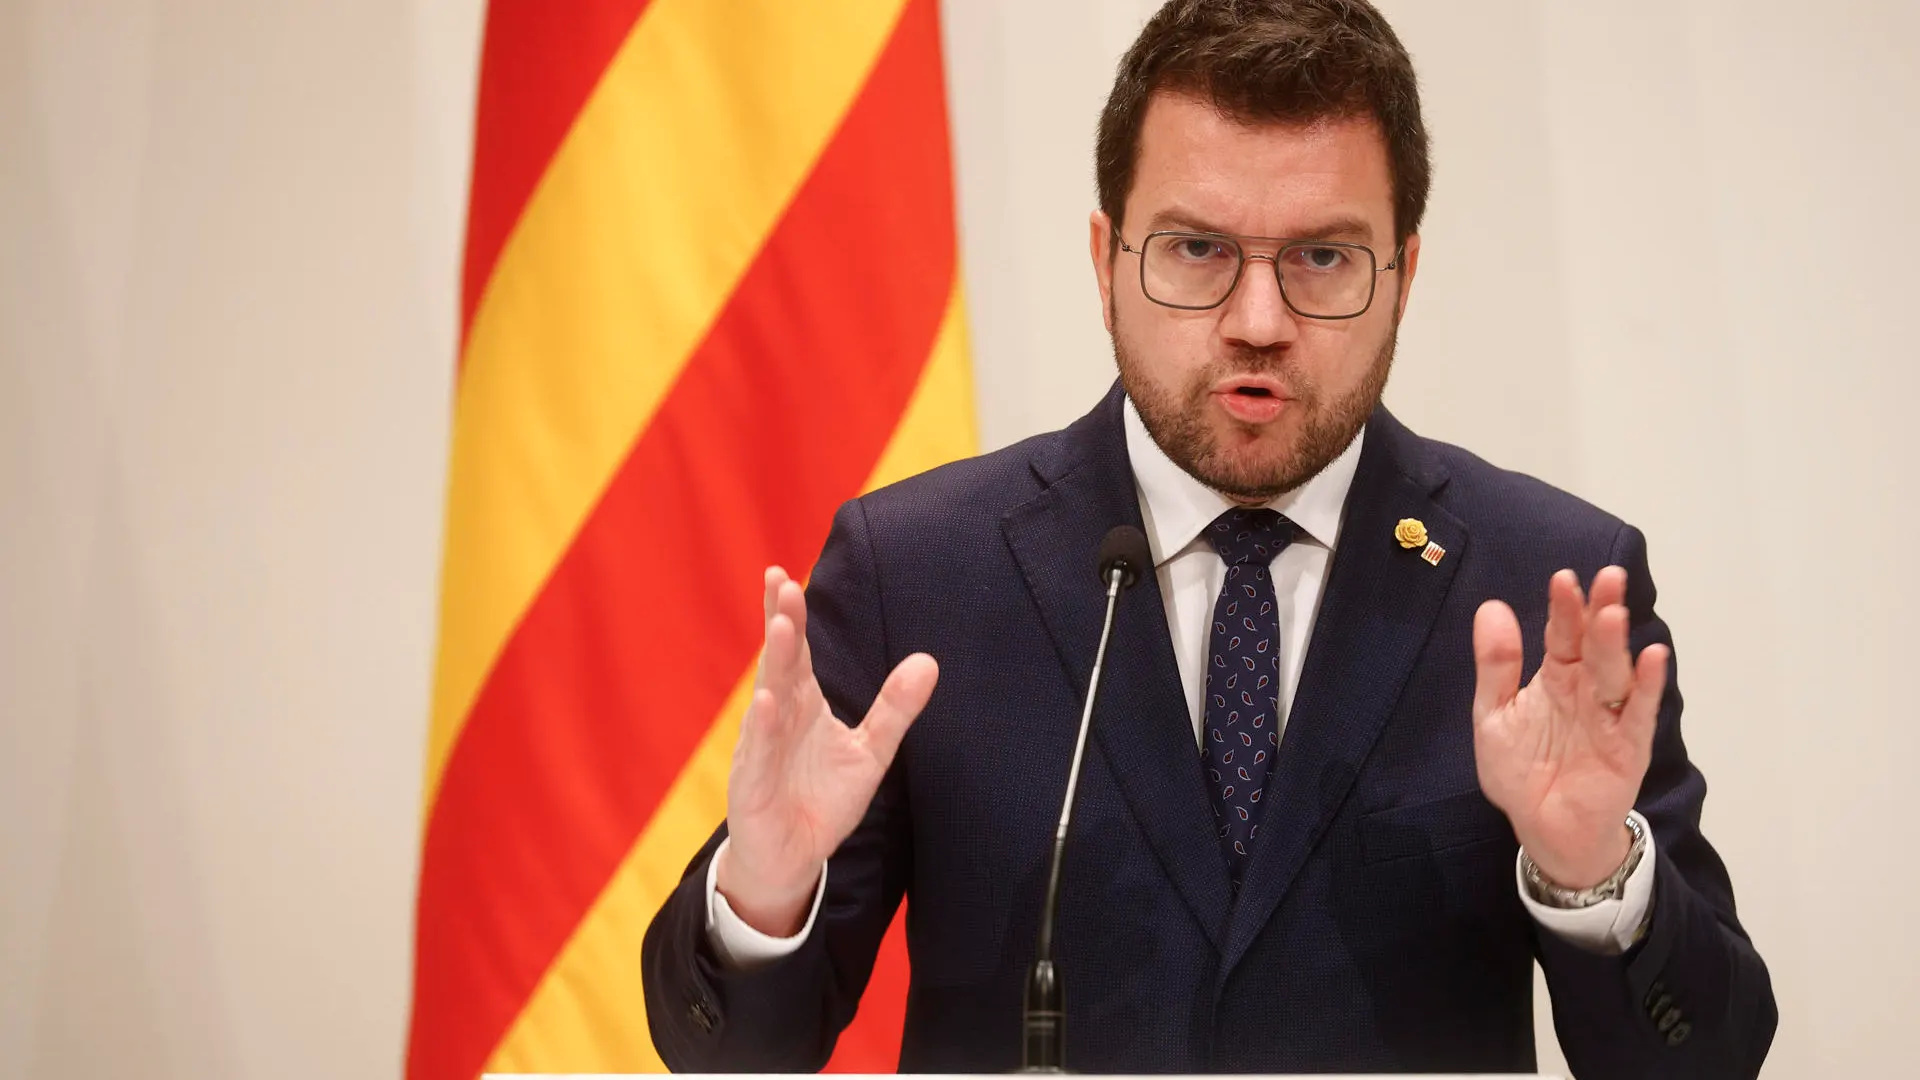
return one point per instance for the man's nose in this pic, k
(1256, 313)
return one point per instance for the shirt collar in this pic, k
(1176, 507)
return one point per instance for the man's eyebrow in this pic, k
(1344, 228)
(1176, 218)
(1339, 228)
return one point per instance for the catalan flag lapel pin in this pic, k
(1412, 533)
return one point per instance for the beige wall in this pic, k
(1669, 250)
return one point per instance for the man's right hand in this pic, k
(801, 780)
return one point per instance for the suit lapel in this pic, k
(1141, 724)
(1376, 611)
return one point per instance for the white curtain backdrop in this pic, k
(1667, 266)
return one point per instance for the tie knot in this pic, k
(1248, 535)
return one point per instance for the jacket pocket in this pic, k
(1437, 826)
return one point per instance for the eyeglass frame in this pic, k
(1279, 280)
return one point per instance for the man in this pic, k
(1336, 801)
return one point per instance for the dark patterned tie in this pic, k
(1243, 676)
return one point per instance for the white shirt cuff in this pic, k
(1610, 926)
(739, 945)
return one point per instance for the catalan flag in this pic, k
(710, 292)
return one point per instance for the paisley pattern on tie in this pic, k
(1243, 677)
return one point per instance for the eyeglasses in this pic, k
(1319, 279)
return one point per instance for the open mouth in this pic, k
(1251, 399)
(1252, 387)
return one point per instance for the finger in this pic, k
(1609, 588)
(753, 754)
(1566, 617)
(780, 664)
(792, 602)
(1604, 655)
(770, 591)
(1497, 658)
(901, 698)
(769, 595)
(1642, 714)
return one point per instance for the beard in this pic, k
(1178, 419)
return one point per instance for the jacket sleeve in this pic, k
(1691, 999)
(786, 1014)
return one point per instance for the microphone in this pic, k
(1124, 557)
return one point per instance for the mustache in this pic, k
(1252, 360)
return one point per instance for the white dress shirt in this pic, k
(1175, 507)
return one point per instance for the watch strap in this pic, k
(1554, 895)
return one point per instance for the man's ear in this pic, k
(1409, 262)
(1100, 247)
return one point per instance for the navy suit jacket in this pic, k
(1379, 928)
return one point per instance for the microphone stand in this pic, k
(1043, 1017)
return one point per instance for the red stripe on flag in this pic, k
(619, 665)
(871, 1044)
(538, 65)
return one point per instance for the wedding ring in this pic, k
(1614, 706)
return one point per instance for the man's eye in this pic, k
(1322, 258)
(1200, 250)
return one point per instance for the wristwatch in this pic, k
(1541, 888)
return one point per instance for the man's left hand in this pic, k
(1563, 757)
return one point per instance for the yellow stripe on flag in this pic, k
(677, 169)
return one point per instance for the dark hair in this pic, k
(1289, 61)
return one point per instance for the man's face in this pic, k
(1250, 398)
